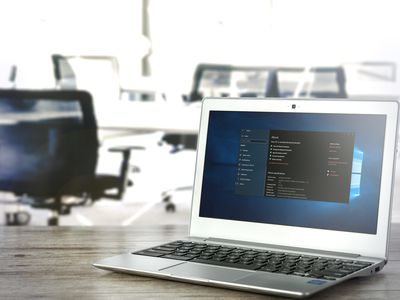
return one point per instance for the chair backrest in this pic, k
(235, 81)
(47, 139)
(98, 74)
(256, 81)
(316, 82)
(329, 82)
(63, 72)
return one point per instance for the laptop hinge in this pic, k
(280, 247)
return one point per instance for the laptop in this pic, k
(290, 197)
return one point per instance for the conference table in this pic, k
(55, 263)
(142, 117)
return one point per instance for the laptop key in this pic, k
(220, 255)
(231, 256)
(345, 261)
(185, 248)
(260, 261)
(165, 247)
(232, 260)
(246, 262)
(190, 255)
(207, 257)
(218, 259)
(268, 269)
(209, 251)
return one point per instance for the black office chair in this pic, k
(217, 79)
(49, 150)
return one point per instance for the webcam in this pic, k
(293, 106)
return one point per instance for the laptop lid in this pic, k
(314, 174)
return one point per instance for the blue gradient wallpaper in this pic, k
(218, 197)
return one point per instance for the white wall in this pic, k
(272, 32)
(33, 30)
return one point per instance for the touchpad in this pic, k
(190, 270)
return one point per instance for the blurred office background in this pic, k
(146, 63)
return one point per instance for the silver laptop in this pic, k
(290, 197)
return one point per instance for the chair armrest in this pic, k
(126, 148)
(123, 174)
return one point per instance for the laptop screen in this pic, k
(308, 170)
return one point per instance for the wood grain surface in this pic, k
(55, 263)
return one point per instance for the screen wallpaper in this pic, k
(308, 170)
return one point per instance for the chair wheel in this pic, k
(166, 199)
(52, 221)
(170, 207)
(18, 218)
(23, 217)
(135, 169)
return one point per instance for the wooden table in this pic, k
(46, 262)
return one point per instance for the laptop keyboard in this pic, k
(256, 259)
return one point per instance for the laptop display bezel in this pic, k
(374, 245)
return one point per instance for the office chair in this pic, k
(217, 80)
(329, 82)
(91, 72)
(320, 82)
(63, 73)
(49, 151)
